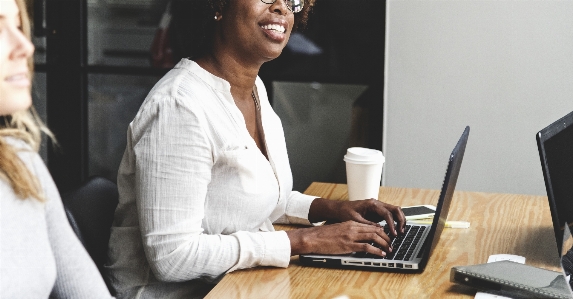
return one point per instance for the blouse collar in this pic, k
(212, 80)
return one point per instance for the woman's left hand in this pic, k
(369, 211)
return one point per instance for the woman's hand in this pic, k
(369, 211)
(339, 238)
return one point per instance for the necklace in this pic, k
(255, 100)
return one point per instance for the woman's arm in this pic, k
(77, 275)
(357, 233)
(339, 238)
(369, 211)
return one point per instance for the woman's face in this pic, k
(15, 49)
(255, 29)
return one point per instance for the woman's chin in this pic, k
(275, 53)
(18, 102)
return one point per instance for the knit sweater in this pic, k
(40, 256)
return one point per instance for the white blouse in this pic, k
(197, 196)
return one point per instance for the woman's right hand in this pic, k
(339, 238)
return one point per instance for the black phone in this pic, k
(419, 212)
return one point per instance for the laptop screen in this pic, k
(556, 151)
(448, 187)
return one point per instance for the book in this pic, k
(512, 279)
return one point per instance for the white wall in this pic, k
(505, 68)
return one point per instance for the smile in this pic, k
(275, 27)
(17, 77)
(19, 80)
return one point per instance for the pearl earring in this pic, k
(216, 18)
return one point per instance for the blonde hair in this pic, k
(26, 126)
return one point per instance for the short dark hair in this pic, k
(193, 26)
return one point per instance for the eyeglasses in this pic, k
(293, 5)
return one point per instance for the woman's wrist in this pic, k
(322, 209)
(298, 242)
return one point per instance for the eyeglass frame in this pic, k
(287, 5)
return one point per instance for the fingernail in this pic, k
(395, 232)
(383, 253)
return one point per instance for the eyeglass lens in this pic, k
(294, 5)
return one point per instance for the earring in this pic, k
(216, 18)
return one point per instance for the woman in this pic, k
(40, 256)
(206, 173)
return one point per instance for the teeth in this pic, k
(274, 27)
(17, 77)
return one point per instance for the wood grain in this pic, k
(500, 223)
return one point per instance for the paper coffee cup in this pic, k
(363, 172)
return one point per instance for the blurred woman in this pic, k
(40, 256)
(205, 173)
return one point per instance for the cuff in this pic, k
(262, 249)
(298, 207)
(277, 249)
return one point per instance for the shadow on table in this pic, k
(535, 246)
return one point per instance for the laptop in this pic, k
(555, 145)
(413, 249)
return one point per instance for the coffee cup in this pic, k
(363, 172)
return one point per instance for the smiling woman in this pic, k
(40, 256)
(193, 27)
(206, 174)
(14, 67)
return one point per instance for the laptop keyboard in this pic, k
(403, 245)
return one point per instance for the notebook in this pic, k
(567, 258)
(418, 249)
(514, 280)
(555, 145)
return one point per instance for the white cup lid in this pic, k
(361, 155)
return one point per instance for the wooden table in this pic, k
(500, 223)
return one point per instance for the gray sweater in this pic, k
(40, 256)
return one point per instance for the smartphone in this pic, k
(419, 212)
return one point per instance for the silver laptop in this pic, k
(413, 249)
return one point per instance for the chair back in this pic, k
(90, 210)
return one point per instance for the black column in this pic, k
(66, 82)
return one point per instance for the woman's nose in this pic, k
(280, 7)
(23, 48)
